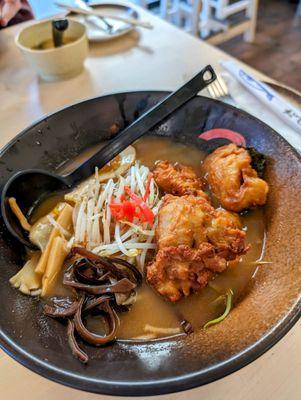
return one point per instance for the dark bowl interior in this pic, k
(263, 316)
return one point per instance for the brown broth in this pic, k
(200, 307)
(151, 149)
(152, 309)
(44, 206)
(48, 44)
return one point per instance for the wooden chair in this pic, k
(184, 14)
(205, 17)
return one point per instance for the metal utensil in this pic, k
(218, 89)
(99, 22)
(58, 28)
(131, 21)
(30, 185)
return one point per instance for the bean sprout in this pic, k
(99, 232)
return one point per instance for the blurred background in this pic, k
(265, 34)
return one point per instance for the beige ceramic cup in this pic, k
(56, 63)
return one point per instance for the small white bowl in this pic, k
(55, 63)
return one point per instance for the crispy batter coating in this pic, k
(177, 179)
(182, 221)
(226, 235)
(233, 180)
(194, 241)
(178, 270)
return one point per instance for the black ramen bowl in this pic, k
(260, 319)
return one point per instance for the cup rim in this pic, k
(54, 49)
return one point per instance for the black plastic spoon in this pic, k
(29, 186)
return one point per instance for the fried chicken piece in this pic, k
(177, 179)
(191, 220)
(194, 241)
(182, 220)
(178, 270)
(226, 234)
(233, 180)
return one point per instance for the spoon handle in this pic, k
(142, 125)
(58, 28)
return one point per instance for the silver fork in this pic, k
(218, 89)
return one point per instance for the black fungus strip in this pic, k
(87, 272)
(61, 307)
(98, 281)
(90, 337)
(76, 350)
(131, 267)
(109, 264)
(122, 286)
(95, 301)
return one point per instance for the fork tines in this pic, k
(218, 88)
